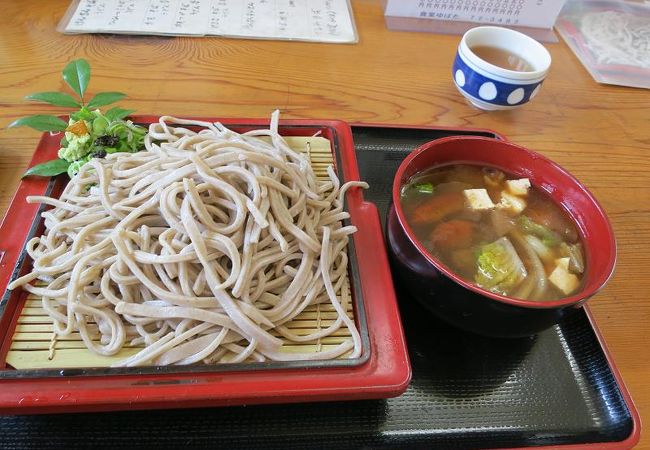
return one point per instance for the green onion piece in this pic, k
(424, 188)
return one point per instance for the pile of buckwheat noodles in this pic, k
(616, 37)
(196, 248)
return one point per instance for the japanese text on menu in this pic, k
(315, 20)
(530, 13)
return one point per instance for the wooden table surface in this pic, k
(599, 133)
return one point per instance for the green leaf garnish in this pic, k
(54, 98)
(82, 114)
(77, 75)
(104, 98)
(48, 168)
(117, 113)
(40, 122)
(99, 135)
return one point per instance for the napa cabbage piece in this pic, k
(545, 253)
(499, 267)
(549, 237)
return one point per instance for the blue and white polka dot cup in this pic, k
(491, 87)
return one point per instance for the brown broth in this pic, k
(455, 234)
(502, 58)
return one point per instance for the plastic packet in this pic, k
(611, 39)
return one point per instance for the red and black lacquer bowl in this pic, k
(464, 304)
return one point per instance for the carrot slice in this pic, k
(437, 208)
(453, 234)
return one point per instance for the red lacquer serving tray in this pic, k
(384, 372)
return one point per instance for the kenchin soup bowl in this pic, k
(464, 304)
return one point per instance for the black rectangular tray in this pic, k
(556, 388)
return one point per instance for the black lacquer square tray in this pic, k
(559, 388)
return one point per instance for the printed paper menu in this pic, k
(309, 20)
(526, 13)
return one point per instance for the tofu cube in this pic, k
(511, 203)
(478, 199)
(561, 278)
(563, 263)
(518, 187)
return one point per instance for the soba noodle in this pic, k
(197, 248)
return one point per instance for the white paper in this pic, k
(525, 13)
(310, 20)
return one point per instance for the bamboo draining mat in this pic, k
(36, 346)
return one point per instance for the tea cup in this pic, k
(491, 86)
